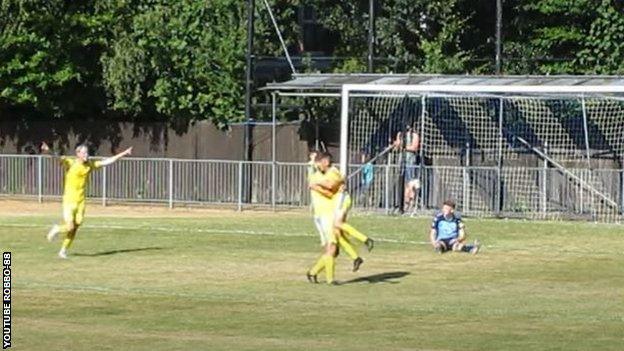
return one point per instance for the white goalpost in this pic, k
(516, 147)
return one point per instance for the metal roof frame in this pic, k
(311, 83)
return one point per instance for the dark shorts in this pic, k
(410, 173)
(412, 169)
(448, 242)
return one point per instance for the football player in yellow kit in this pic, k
(323, 211)
(77, 170)
(334, 209)
(335, 182)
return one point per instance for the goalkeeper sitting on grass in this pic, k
(447, 231)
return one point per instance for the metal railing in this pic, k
(526, 192)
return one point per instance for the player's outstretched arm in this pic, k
(113, 159)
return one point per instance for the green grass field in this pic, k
(232, 281)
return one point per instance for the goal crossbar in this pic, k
(466, 89)
(470, 88)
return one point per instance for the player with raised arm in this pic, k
(334, 183)
(77, 170)
(316, 198)
(323, 210)
(323, 216)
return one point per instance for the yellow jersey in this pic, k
(320, 204)
(76, 178)
(333, 174)
(341, 200)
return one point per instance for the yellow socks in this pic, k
(69, 239)
(328, 263)
(347, 247)
(329, 268)
(318, 266)
(353, 232)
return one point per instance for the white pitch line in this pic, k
(210, 231)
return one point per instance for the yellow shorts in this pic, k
(73, 212)
(325, 226)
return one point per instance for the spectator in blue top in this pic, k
(447, 231)
(368, 172)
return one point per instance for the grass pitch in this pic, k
(235, 281)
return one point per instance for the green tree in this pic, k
(184, 60)
(544, 36)
(603, 47)
(411, 35)
(179, 59)
(49, 54)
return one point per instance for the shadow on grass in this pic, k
(387, 277)
(114, 252)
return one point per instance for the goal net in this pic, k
(546, 151)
